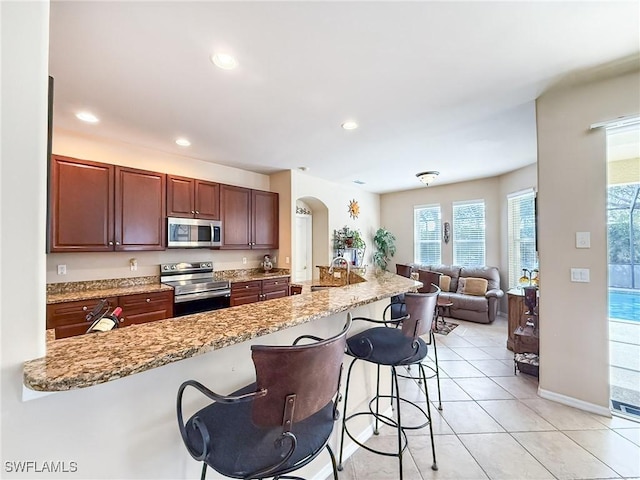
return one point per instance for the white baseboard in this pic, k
(574, 402)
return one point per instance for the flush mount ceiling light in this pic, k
(183, 142)
(224, 61)
(427, 177)
(87, 117)
(350, 125)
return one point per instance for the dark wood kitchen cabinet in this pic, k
(97, 207)
(249, 218)
(68, 319)
(259, 290)
(192, 198)
(146, 307)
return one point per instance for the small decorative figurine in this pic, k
(266, 263)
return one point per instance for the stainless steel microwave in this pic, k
(193, 233)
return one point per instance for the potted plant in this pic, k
(385, 243)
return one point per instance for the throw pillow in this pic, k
(461, 283)
(445, 283)
(475, 286)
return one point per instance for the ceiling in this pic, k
(447, 86)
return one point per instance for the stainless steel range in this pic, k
(195, 289)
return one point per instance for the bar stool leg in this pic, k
(333, 463)
(399, 420)
(435, 354)
(204, 471)
(375, 430)
(344, 413)
(434, 466)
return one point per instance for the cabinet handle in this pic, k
(197, 212)
(192, 211)
(276, 283)
(110, 243)
(246, 286)
(117, 243)
(148, 300)
(84, 309)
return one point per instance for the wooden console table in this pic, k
(515, 313)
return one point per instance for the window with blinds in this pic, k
(521, 224)
(468, 233)
(426, 228)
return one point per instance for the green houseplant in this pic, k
(385, 243)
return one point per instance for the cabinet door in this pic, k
(264, 219)
(140, 209)
(516, 309)
(146, 307)
(180, 196)
(235, 209)
(207, 199)
(245, 292)
(81, 202)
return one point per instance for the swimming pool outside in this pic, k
(624, 304)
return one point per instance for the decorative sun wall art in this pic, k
(354, 209)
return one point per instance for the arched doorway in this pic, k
(311, 242)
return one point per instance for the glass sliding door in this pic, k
(623, 234)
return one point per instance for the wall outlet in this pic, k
(286, 260)
(62, 269)
(244, 260)
(580, 275)
(583, 239)
(133, 264)
(274, 260)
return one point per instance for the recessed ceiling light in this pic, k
(350, 125)
(224, 61)
(303, 169)
(359, 182)
(87, 117)
(183, 142)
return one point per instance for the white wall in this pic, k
(396, 214)
(336, 198)
(572, 181)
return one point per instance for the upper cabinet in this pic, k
(191, 198)
(96, 207)
(249, 218)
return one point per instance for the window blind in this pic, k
(469, 233)
(521, 224)
(427, 235)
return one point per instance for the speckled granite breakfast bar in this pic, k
(86, 360)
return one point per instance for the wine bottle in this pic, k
(106, 322)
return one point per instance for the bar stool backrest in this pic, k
(428, 278)
(404, 270)
(299, 379)
(420, 309)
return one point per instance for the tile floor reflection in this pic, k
(494, 426)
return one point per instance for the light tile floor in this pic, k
(494, 426)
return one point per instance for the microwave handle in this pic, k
(213, 232)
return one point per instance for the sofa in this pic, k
(475, 300)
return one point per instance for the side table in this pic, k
(526, 347)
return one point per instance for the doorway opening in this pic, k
(623, 238)
(310, 242)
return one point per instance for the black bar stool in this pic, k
(394, 347)
(277, 424)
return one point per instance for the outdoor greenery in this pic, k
(384, 242)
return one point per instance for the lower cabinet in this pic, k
(258, 290)
(69, 318)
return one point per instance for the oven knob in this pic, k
(209, 265)
(173, 267)
(165, 267)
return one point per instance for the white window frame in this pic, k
(514, 238)
(434, 234)
(459, 245)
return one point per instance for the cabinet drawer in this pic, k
(146, 307)
(275, 284)
(141, 300)
(246, 286)
(70, 313)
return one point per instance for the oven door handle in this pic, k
(198, 296)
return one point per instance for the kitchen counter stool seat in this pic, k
(276, 425)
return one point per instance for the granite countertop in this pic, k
(106, 292)
(248, 275)
(86, 360)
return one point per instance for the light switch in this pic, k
(580, 275)
(62, 269)
(583, 239)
